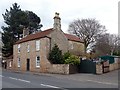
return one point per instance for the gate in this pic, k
(87, 66)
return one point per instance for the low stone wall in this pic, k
(63, 69)
(99, 69)
(114, 66)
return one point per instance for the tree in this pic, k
(55, 55)
(33, 22)
(102, 46)
(16, 20)
(87, 30)
(108, 44)
(114, 44)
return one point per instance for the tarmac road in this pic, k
(55, 81)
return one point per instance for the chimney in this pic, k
(25, 32)
(57, 22)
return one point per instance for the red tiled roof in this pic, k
(35, 36)
(73, 37)
(45, 33)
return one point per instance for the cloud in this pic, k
(103, 10)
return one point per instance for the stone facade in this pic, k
(56, 38)
(47, 40)
(24, 55)
(76, 48)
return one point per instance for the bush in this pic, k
(66, 55)
(71, 59)
(55, 56)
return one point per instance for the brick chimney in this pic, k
(57, 22)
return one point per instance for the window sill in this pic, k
(37, 66)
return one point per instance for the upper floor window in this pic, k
(37, 61)
(28, 48)
(18, 48)
(37, 45)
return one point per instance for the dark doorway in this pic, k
(28, 64)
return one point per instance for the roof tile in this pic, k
(44, 34)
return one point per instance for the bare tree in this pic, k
(113, 42)
(107, 44)
(102, 46)
(87, 30)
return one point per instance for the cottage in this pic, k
(31, 52)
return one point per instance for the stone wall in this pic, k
(24, 55)
(76, 48)
(63, 69)
(99, 69)
(114, 66)
(58, 37)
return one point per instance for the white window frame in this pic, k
(18, 62)
(28, 48)
(37, 43)
(37, 62)
(19, 48)
(10, 64)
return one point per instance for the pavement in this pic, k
(45, 80)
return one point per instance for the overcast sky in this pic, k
(106, 11)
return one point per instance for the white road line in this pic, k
(19, 79)
(13, 78)
(49, 86)
(103, 82)
(24, 80)
(1, 76)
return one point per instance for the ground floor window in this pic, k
(10, 64)
(18, 62)
(37, 61)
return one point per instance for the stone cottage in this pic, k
(31, 52)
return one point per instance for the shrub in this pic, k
(71, 59)
(55, 55)
(66, 55)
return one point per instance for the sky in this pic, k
(105, 11)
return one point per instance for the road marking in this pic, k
(19, 79)
(103, 82)
(24, 80)
(49, 86)
(1, 76)
(13, 78)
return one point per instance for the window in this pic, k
(18, 48)
(37, 45)
(10, 64)
(37, 61)
(28, 48)
(18, 62)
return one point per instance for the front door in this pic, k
(28, 64)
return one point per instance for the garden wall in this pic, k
(63, 69)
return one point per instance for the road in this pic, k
(64, 82)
